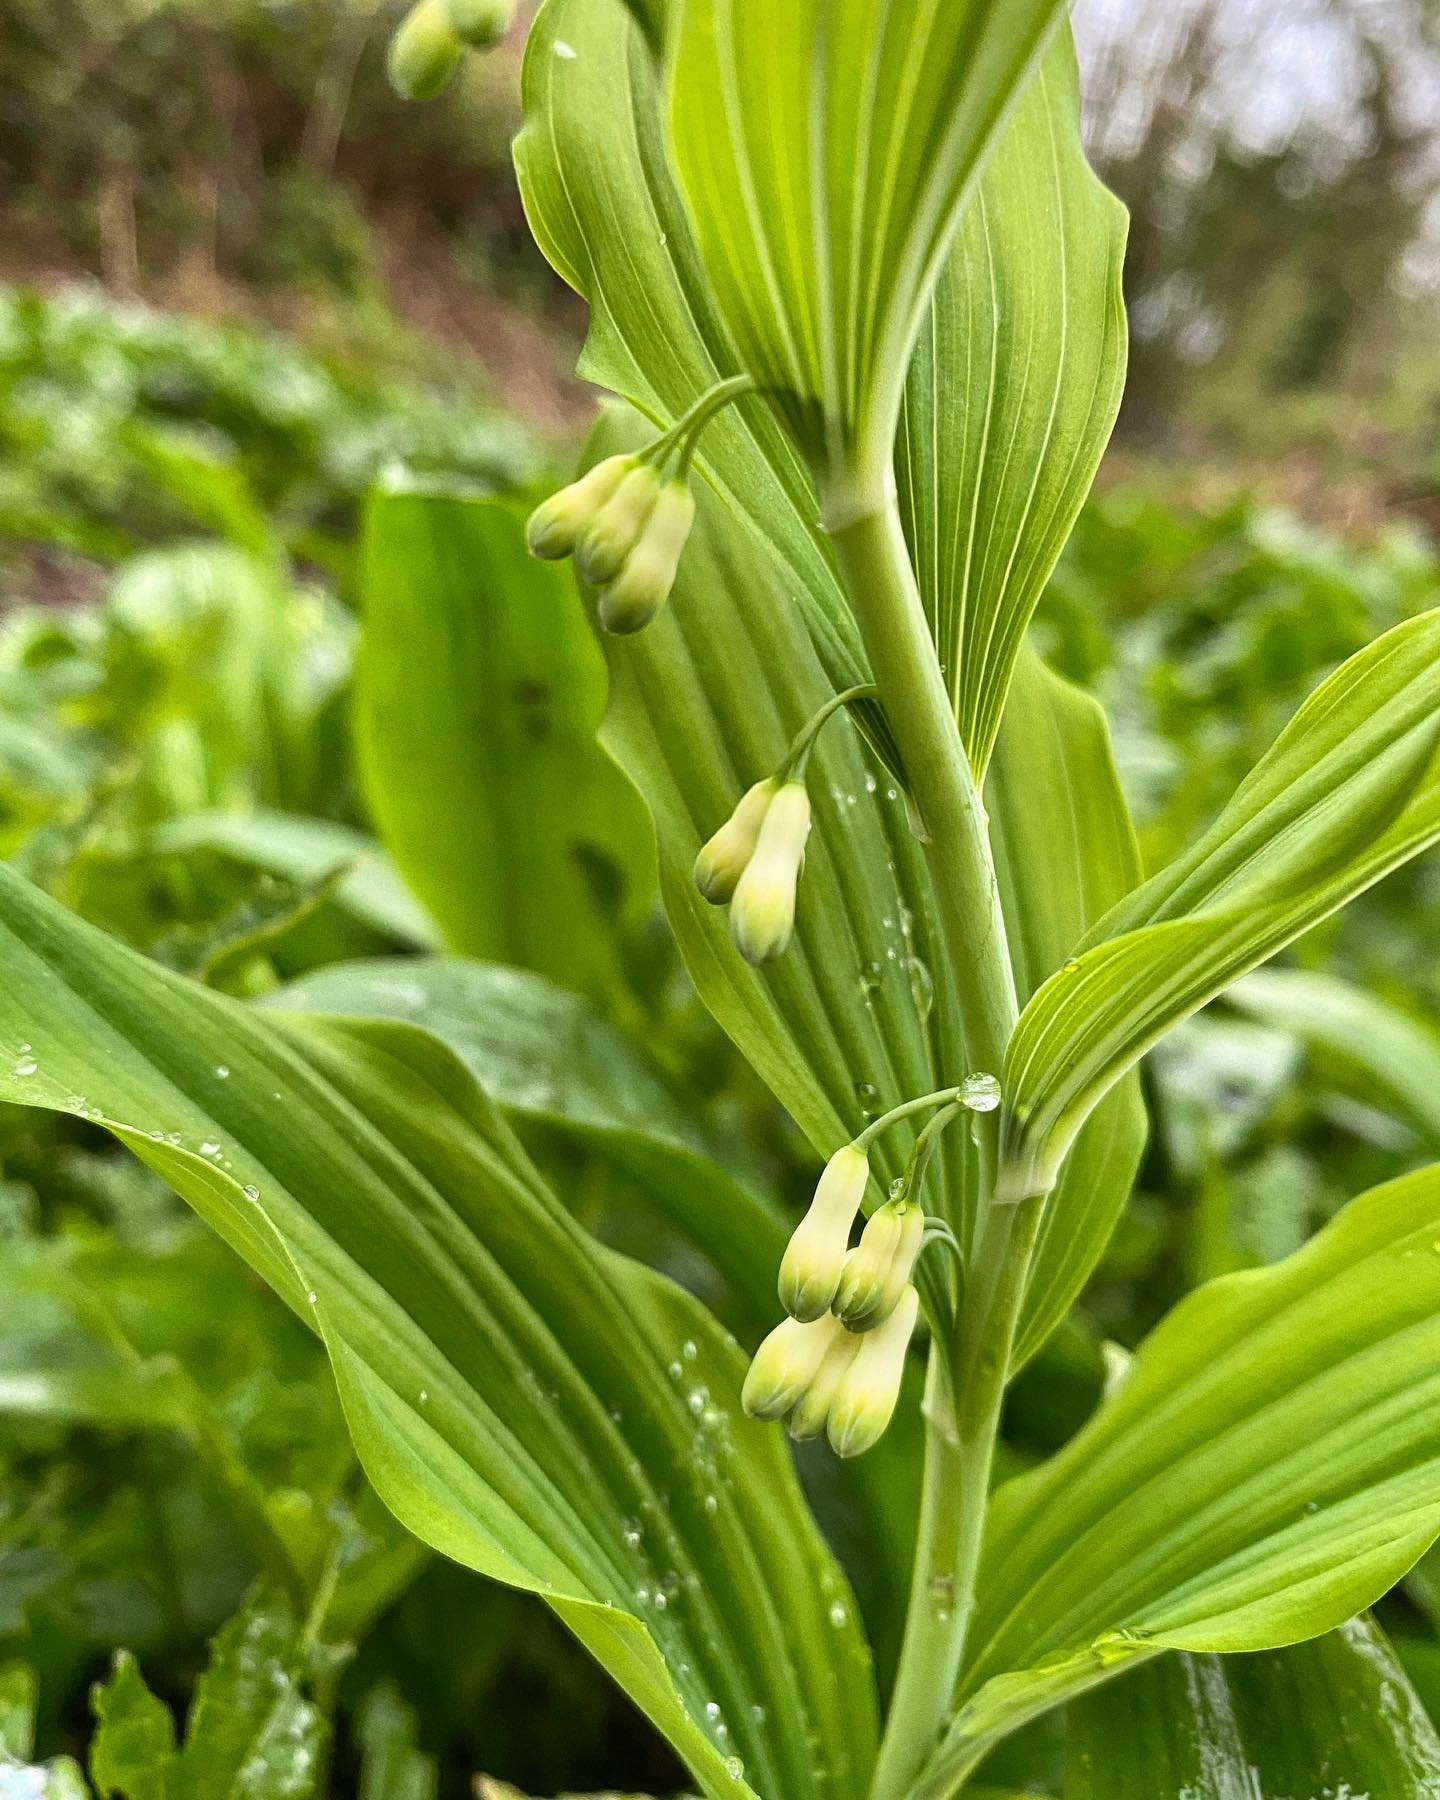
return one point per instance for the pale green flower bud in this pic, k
(616, 529)
(810, 1268)
(481, 23)
(785, 1364)
(423, 52)
(864, 1401)
(762, 913)
(648, 573)
(722, 860)
(877, 1271)
(556, 525)
(812, 1409)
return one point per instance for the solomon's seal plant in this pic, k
(855, 295)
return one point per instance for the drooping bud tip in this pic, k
(814, 1258)
(723, 857)
(631, 600)
(423, 52)
(864, 1401)
(762, 912)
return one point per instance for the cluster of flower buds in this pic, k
(835, 1364)
(625, 523)
(753, 863)
(426, 47)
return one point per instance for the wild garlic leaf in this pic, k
(1336, 1716)
(825, 148)
(524, 1400)
(1012, 391)
(548, 1056)
(478, 691)
(1268, 1467)
(1349, 791)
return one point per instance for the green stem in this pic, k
(793, 768)
(966, 1382)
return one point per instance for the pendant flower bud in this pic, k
(617, 527)
(785, 1364)
(423, 52)
(877, 1271)
(864, 1401)
(481, 23)
(556, 525)
(722, 859)
(647, 575)
(812, 1409)
(762, 913)
(815, 1256)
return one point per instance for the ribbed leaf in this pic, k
(544, 1054)
(1349, 791)
(1065, 853)
(825, 147)
(1397, 1055)
(478, 691)
(1332, 1717)
(1269, 1466)
(524, 1400)
(1012, 392)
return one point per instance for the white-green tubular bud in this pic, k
(556, 525)
(647, 574)
(864, 1401)
(723, 858)
(877, 1271)
(617, 527)
(423, 52)
(762, 912)
(481, 23)
(814, 1257)
(785, 1364)
(812, 1409)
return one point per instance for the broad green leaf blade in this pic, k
(547, 1055)
(478, 691)
(133, 1750)
(859, 1012)
(508, 1381)
(1269, 1466)
(1334, 1716)
(1012, 392)
(1065, 853)
(1397, 1055)
(305, 850)
(1349, 791)
(825, 148)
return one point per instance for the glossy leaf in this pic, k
(1349, 791)
(1013, 390)
(478, 691)
(507, 1380)
(547, 1055)
(1397, 1055)
(1335, 1716)
(1065, 853)
(825, 148)
(1269, 1466)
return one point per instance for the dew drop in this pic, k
(871, 977)
(424, 1396)
(868, 1095)
(210, 1148)
(712, 1711)
(897, 1187)
(566, 52)
(839, 1613)
(712, 1505)
(922, 987)
(26, 1065)
(980, 1092)
(250, 1191)
(689, 1349)
(313, 1297)
(734, 1768)
(222, 1071)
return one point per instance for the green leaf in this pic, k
(507, 1381)
(825, 148)
(1349, 791)
(19, 1696)
(252, 1734)
(1397, 1055)
(544, 1054)
(1335, 1716)
(1065, 853)
(307, 851)
(392, 1767)
(1267, 1468)
(1013, 390)
(133, 1751)
(478, 692)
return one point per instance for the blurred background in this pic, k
(240, 282)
